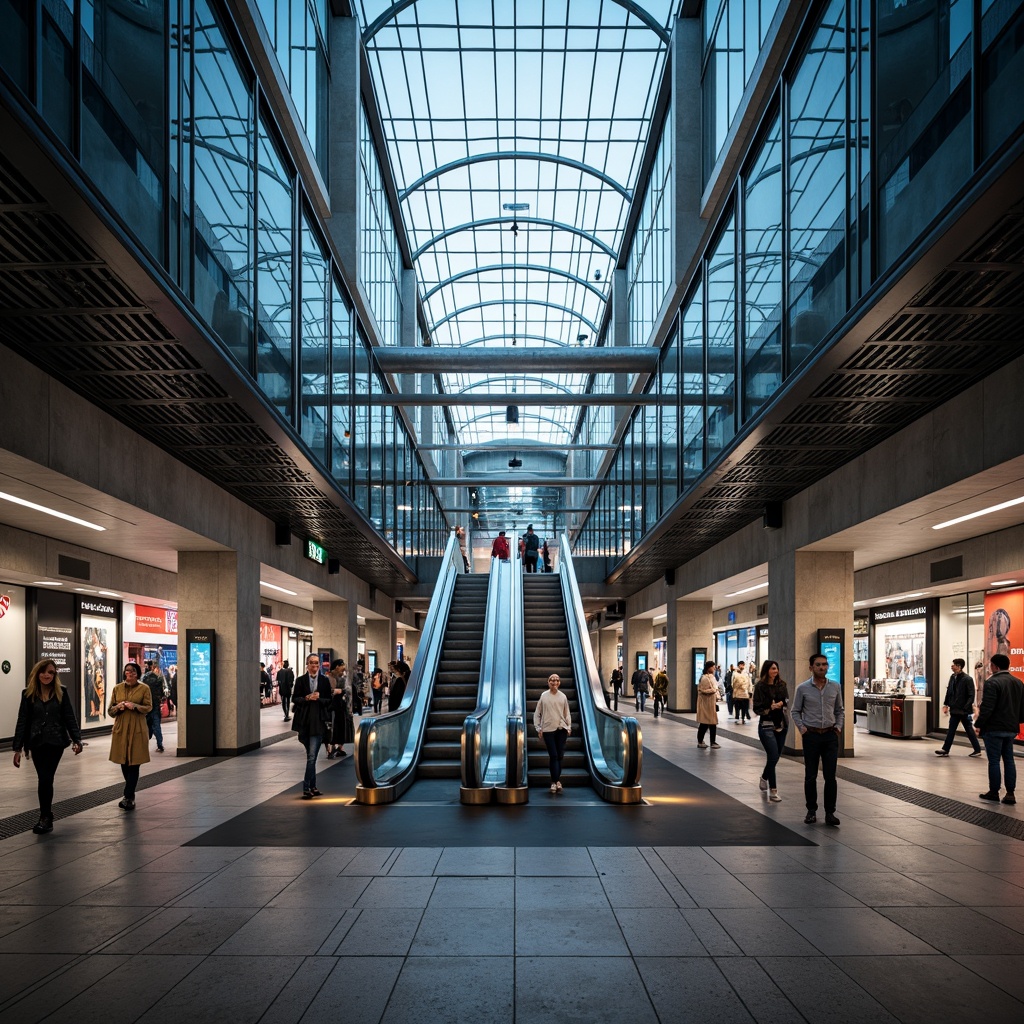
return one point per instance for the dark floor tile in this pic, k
(685, 990)
(1004, 972)
(453, 932)
(804, 889)
(357, 989)
(854, 931)
(660, 932)
(453, 990)
(763, 933)
(888, 889)
(387, 932)
(822, 992)
(602, 990)
(191, 930)
(569, 932)
(19, 971)
(301, 986)
(763, 999)
(279, 932)
(956, 930)
(44, 1002)
(72, 930)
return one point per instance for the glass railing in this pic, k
(484, 731)
(387, 747)
(613, 742)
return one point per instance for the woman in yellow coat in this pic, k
(130, 703)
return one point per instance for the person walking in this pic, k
(155, 681)
(707, 707)
(285, 683)
(311, 706)
(616, 682)
(641, 683)
(531, 550)
(771, 698)
(130, 704)
(819, 715)
(741, 689)
(399, 681)
(460, 536)
(660, 688)
(545, 555)
(341, 699)
(500, 548)
(47, 725)
(1002, 711)
(727, 687)
(377, 688)
(959, 705)
(553, 724)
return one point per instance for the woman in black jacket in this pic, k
(771, 698)
(46, 725)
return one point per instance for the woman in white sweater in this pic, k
(553, 725)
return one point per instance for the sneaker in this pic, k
(1008, 799)
(126, 805)
(43, 825)
(774, 797)
(159, 750)
(702, 745)
(831, 819)
(306, 795)
(554, 788)
(989, 796)
(716, 746)
(811, 818)
(762, 784)
(942, 753)
(976, 753)
(558, 786)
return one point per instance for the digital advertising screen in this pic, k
(200, 672)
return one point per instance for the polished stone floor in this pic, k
(901, 914)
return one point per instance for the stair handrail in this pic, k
(387, 747)
(613, 742)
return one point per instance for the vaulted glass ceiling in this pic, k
(515, 131)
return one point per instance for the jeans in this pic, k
(641, 700)
(312, 745)
(155, 729)
(999, 746)
(954, 721)
(45, 759)
(773, 743)
(555, 742)
(131, 779)
(823, 748)
(728, 701)
(702, 730)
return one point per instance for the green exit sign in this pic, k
(315, 552)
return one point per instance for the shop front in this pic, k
(14, 664)
(899, 694)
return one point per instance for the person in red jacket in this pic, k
(499, 549)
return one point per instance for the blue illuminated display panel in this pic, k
(200, 660)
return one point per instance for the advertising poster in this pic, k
(96, 682)
(1004, 631)
(200, 666)
(13, 667)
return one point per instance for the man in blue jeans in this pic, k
(818, 713)
(154, 679)
(1002, 711)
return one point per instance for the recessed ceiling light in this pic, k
(747, 590)
(108, 593)
(270, 586)
(1001, 583)
(46, 583)
(981, 512)
(59, 515)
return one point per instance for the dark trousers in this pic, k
(131, 779)
(741, 705)
(999, 749)
(45, 759)
(955, 721)
(530, 561)
(702, 729)
(555, 742)
(820, 748)
(615, 697)
(774, 743)
(378, 696)
(286, 702)
(659, 705)
(155, 728)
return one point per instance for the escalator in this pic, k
(457, 681)
(547, 650)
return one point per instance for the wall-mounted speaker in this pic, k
(772, 519)
(333, 566)
(282, 535)
(670, 577)
(398, 607)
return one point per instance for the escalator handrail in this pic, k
(382, 785)
(473, 753)
(516, 763)
(608, 781)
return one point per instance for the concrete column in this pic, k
(637, 635)
(351, 654)
(378, 638)
(220, 590)
(343, 153)
(811, 590)
(412, 644)
(331, 627)
(686, 130)
(689, 626)
(607, 661)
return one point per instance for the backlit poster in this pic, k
(1004, 632)
(13, 667)
(200, 666)
(96, 681)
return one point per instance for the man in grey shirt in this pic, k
(818, 713)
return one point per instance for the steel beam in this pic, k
(560, 359)
(496, 398)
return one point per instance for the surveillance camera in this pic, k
(597, 275)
